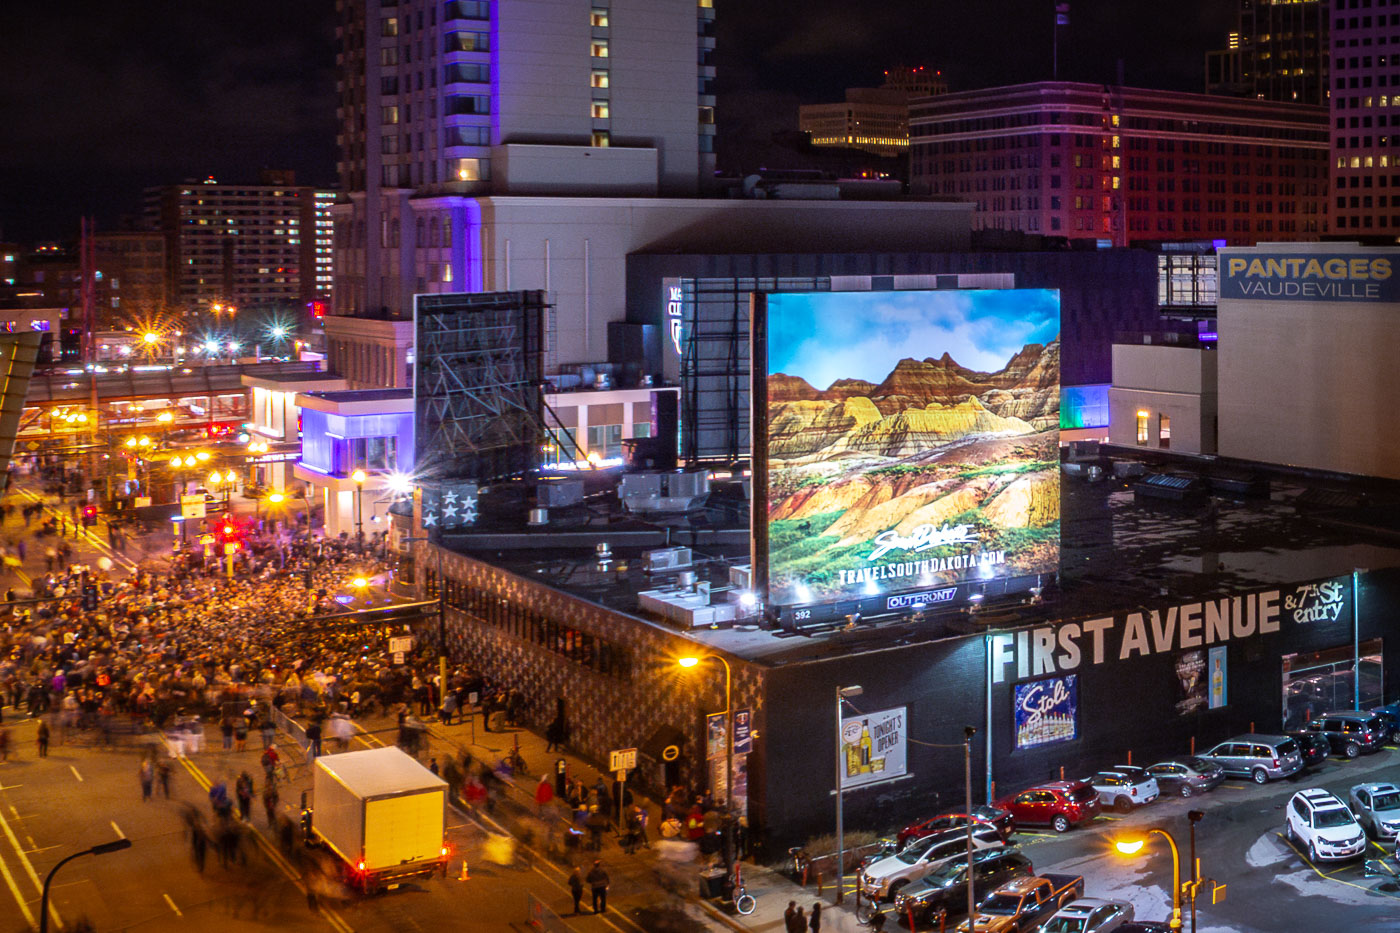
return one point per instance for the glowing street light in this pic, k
(151, 338)
(359, 476)
(1131, 847)
(688, 662)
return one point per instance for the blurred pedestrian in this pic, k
(270, 798)
(814, 919)
(147, 775)
(544, 794)
(576, 888)
(43, 739)
(163, 775)
(598, 882)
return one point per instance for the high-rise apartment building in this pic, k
(872, 119)
(252, 246)
(1365, 109)
(129, 277)
(1278, 50)
(469, 98)
(1123, 164)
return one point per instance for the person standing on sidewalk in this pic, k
(576, 888)
(147, 774)
(598, 881)
(814, 919)
(43, 739)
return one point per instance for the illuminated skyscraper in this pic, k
(1277, 51)
(1365, 117)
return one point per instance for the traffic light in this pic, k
(90, 597)
(89, 516)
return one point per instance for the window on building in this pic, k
(467, 42)
(469, 169)
(599, 19)
(466, 73)
(388, 115)
(1142, 417)
(600, 78)
(468, 136)
(707, 115)
(375, 454)
(600, 110)
(467, 9)
(389, 26)
(1164, 431)
(600, 139)
(598, 49)
(468, 104)
(605, 439)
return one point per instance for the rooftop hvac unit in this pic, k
(668, 491)
(666, 559)
(559, 494)
(740, 576)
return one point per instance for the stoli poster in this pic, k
(1047, 711)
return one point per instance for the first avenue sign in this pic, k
(1052, 649)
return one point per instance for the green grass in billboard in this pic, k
(912, 439)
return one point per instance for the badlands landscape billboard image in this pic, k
(912, 440)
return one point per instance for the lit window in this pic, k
(600, 140)
(1164, 431)
(447, 272)
(599, 18)
(468, 169)
(599, 49)
(600, 110)
(600, 79)
(707, 115)
(389, 26)
(1142, 426)
(389, 114)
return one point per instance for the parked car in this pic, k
(1060, 805)
(1391, 719)
(1020, 905)
(1123, 791)
(884, 878)
(1351, 732)
(1322, 824)
(1377, 808)
(1001, 819)
(1187, 776)
(945, 888)
(1261, 758)
(1314, 746)
(1089, 915)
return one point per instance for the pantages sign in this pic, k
(1069, 646)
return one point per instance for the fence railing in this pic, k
(293, 728)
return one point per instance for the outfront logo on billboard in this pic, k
(910, 600)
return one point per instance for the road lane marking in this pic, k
(172, 904)
(120, 834)
(18, 895)
(274, 856)
(76, 774)
(28, 867)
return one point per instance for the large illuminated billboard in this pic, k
(911, 441)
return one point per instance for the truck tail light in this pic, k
(361, 865)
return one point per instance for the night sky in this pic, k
(101, 100)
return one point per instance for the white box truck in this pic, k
(382, 813)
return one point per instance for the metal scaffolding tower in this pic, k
(478, 384)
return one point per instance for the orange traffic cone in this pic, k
(464, 876)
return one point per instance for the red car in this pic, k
(991, 816)
(1057, 804)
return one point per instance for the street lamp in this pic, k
(728, 726)
(116, 845)
(359, 477)
(1134, 846)
(842, 693)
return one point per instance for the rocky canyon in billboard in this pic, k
(912, 440)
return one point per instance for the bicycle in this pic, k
(744, 902)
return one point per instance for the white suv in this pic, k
(1324, 825)
(1126, 789)
(886, 877)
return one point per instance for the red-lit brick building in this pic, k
(1089, 161)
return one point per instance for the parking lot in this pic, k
(1270, 884)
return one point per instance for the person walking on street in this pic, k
(270, 798)
(544, 794)
(163, 774)
(147, 774)
(576, 888)
(788, 916)
(43, 739)
(598, 881)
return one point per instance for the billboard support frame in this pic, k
(758, 447)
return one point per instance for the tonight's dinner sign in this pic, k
(1262, 276)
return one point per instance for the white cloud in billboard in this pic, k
(883, 328)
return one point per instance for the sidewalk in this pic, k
(771, 889)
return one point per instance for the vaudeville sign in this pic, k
(1307, 276)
